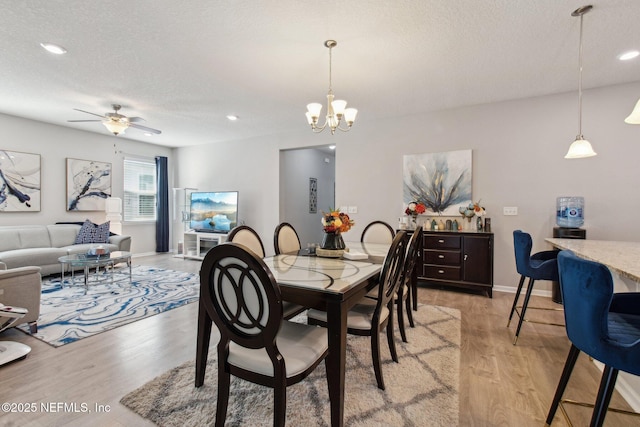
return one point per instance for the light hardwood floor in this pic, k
(500, 384)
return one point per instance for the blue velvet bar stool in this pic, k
(539, 266)
(604, 325)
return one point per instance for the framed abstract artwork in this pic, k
(442, 181)
(88, 184)
(19, 182)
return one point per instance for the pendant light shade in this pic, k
(634, 117)
(580, 148)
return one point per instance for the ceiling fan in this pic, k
(117, 123)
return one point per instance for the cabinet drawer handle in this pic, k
(440, 241)
(440, 271)
(440, 256)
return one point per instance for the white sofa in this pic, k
(42, 245)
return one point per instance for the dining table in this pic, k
(332, 284)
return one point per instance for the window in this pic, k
(139, 190)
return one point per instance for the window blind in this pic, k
(139, 190)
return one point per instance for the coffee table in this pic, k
(88, 262)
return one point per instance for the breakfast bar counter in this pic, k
(622, 258)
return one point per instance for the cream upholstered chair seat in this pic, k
(359, 316)
(299, 347)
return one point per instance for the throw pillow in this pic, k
(93, 233)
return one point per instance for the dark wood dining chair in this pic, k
(405, 290)
(369, 317)
(248, 237)
(377, 232)
(239, 293)
(285, 239)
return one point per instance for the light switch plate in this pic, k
(510, 211)
(353, 210)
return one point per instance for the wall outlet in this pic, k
(353, 210)
(344, 209)
(513, 210)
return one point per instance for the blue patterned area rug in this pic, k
(67, 314)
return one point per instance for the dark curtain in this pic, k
(162, 205)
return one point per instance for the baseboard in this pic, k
(512, 290)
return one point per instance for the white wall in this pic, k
(518, 149)
(296, 167)
(55, 144)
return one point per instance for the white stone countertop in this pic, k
(623, 257)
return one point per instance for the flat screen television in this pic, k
(213, 212)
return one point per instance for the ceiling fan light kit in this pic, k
(336, 110)
(580, 148)
(118, 123)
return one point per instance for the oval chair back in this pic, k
(391, 273)
(248, 237)
(285, 239)
(377, 232)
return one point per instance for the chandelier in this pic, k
(336, 110)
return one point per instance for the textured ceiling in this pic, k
(184, 66)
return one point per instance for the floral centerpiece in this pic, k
(334, 224)
(413, 210)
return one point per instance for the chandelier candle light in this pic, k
(336, 110)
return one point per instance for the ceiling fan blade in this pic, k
(144, 128)
(88, 112)
(136, 119)
(84, 120)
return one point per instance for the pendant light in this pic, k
(634, 117)
(580, 148)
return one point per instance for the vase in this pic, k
(332, 241)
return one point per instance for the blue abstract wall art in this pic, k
(19, 182)
(88, 185)
(442, 181)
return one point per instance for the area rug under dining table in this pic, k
(422, 389)
(68, 313)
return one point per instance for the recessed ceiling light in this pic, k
(148, 134)
(54, 48)
(332, 147)
(628, 55)
(232, 117)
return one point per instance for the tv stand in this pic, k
(197, 244)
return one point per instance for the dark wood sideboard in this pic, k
(462, 259)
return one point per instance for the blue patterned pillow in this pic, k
(93, 233)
